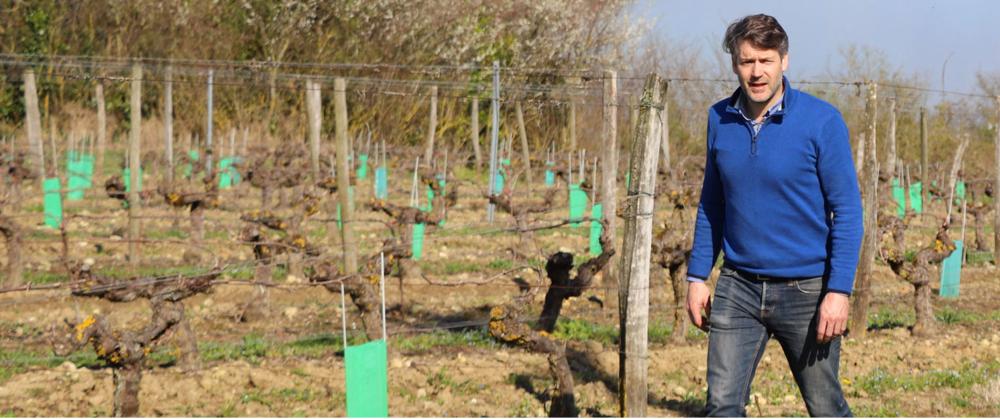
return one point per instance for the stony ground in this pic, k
(285, 358)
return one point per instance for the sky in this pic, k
(920, 36)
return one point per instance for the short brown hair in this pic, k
(761, 30)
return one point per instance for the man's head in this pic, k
(758, 46)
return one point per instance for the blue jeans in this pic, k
(746, 312)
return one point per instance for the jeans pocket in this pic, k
(810, 285)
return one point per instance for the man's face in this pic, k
(759, 71)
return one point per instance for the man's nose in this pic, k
(757, 71)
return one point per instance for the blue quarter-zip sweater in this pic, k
(782, 202)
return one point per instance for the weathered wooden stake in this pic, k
(924, 174)
(168, 121)
(869, 244)
(313, 102)
(572, 125)
(634, 278)
(431, 127)
(996, 189)
(890, 167)
(474, 133)
(956, 165)
(34, 125)
(609, 168)
(102, 129)
(665, 141)
(525, 152)
(135, 135)
(344, 178)
(209, 170)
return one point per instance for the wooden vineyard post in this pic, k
(634, 275)
(572, 125)
(996, 187)
(34, 124)
(344, 178)
(168, 122)
(924, 179)
(135, 132)
(609, 168)
(869, 243)
(431, 127)
(665, 140)
(519, 112)
(474, 133)
(314, 101)
(102, 129)
(494, 137)
(890, 167)
(956, 164)
(209, 170)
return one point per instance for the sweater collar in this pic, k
(787, 100)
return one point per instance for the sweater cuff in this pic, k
(695, 279)
(847, 293)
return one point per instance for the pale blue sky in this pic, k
(918, 35)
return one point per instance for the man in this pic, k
(780, 198)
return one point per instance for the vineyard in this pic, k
(217, 267)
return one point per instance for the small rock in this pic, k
(789, 398)
(19, 332)
(679, 391)
(594, 347)
(460, 358)
(473, 401)
(292, 279)
(984, 342)
(501, 355)
(67, 366)
(757, 398)
(207, 303)
(290, 312)
(396, 363)
(421, 393)
(767, 360)
(83, 244)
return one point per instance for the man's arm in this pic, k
(838, 178)
(839, 183)
(710, 220)
(707, 237)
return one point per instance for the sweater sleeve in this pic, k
(710, 221)
(839, 183)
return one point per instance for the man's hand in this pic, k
(699, 298)
(833, 313)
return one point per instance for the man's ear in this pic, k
(784, 63)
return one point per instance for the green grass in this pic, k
(17, 361)
(880, 381)
(446, 339)
(442, 380)
(40, 278)
(500, 264)
(889, 318)
(882, 409)
(582, 330)
(950, 315)
(171, 234)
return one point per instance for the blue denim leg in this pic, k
(792, 319)
(736, 340)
